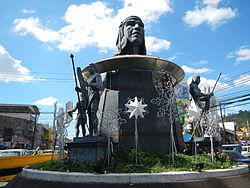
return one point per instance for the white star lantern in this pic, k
(136, 108)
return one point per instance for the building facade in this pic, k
(18, 124)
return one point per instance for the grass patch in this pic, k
(122, 162)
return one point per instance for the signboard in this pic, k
(181, 91)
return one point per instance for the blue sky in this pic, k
(37, 37)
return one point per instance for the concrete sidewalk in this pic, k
(241, 181)
(2, 184)
(238, 177)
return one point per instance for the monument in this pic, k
(203, 117)
(131, 78)
(131, 73)
(198, 96)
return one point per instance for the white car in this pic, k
(246, 151)
(13, 152)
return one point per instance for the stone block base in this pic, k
(88, 148)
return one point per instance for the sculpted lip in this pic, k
(136, 33)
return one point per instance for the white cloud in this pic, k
(231, 55)
(242, 54)
(33, 26)
(11, 69)
(147, 10)
(27, 11)
(195, 71)
(49, 101)
(201, 62)
(154, 45)
(211, 2)
(172, 58)
(209, 14)
(95, 24)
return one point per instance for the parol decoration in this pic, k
(136, 108)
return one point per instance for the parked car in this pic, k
(246, 151)
(2, 147)
(13, 160)
(232, 147)
(12, 152)
(237, 156)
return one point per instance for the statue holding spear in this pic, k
(88, 99)
(82, 103)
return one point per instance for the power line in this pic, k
(237, 105)
(228, 106)
(235, 82)
(241, 100)
(233, 93)
(229, 99)
(57, 73)
(235, 77)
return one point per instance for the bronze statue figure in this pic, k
(130, 38)
(94, 83)
(197, 95)
(89, 101)
(81, 118)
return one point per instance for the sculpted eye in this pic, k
(140, 23)
(130, 23)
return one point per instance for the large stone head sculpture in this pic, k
(130, 38)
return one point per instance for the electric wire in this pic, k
(237, 97)
(233, 93)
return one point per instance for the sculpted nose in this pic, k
(137, 25)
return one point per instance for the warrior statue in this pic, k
(81, 106)
(198, 96)
(81, 118)
(90, 96)
(94, 83)
(199, 107)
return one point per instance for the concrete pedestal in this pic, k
(87, 148)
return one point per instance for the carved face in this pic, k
(134, 31)
(92, 69)
(196, 79)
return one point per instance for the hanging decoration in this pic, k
(112, 121)
(166, 101)
(136, 108)
(62, 119)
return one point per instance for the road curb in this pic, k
(133, 178)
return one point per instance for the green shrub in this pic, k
(123, 162)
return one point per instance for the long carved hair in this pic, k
(122, 41)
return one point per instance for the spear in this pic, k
(78, 96)
(216, 82)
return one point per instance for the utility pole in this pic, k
(54, 131)
(34, 132)
(247, 127)
(222, 121)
